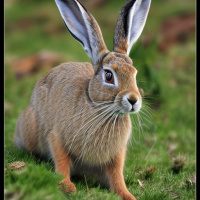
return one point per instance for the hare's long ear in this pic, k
(130, 24)
(83, 27)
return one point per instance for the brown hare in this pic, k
(79, 113)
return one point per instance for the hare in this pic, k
(79, 113)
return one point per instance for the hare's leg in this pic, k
(62, 163)
(26, 135)
(116, 178)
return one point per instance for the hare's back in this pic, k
(66, 72)
(61, 82)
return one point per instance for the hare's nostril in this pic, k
(132, 102)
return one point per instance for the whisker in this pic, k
(140, 125)
(101, 108)
(75, 134)
(89, 114)
(135, 128)
(110, 131)
(147, 116)
(106, 127)
(155, 139)
(98, 123)
(99, 118)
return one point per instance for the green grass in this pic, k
(168, 81)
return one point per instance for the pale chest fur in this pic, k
(97, 139)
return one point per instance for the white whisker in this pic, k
(88, 122)
(98, 124)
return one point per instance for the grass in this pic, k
(161, 157)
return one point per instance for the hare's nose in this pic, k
(135, 103)
(132, 101)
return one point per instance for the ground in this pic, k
(161, 157)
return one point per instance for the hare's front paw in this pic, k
(67, 186)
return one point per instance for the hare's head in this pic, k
(115, 77)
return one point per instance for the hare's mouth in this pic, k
(130, 105)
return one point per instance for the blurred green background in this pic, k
(161, 154)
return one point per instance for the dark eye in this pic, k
(109, 77)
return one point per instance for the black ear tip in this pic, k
(130, 24)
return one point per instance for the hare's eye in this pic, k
(109, 77)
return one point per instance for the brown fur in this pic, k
(57, 98)
(123, 48)
(62, 162)
(116, 177)
(78, 120)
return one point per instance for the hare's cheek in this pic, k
(96, 96)
(95, 90)
(99, 92)
(103, 94)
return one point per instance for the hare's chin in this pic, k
(127, 108)
(131, 111)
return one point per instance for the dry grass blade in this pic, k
(140, 183)
(88, 191)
